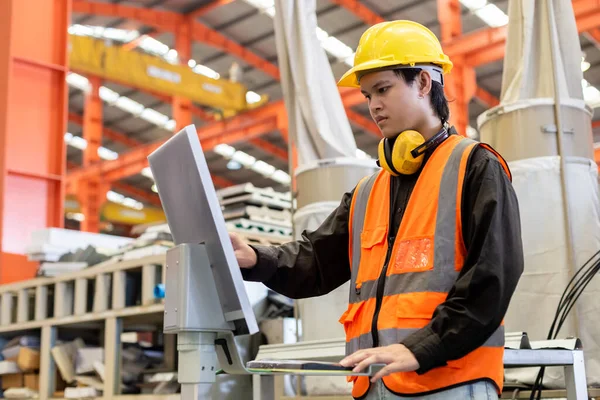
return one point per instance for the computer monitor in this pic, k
(194, 216)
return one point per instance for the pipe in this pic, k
(560, 145)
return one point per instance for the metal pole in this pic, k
(561, 154)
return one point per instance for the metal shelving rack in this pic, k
(46, 304)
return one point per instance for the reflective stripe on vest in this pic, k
(423, 265)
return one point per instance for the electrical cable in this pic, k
(571, 294)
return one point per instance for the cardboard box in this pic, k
(12, 381)
(32, 381)
(28, 359)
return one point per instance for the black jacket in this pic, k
(475, 306)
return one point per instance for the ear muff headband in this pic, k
(404, 154)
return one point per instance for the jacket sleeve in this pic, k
(312, 266)
(477, 303)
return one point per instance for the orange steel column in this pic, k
(33, 119)
(92, 195)
(182, 107)
(460, 83)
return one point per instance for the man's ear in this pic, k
(425, 83)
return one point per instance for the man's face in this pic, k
(394, 105)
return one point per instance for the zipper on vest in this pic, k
(381, 279)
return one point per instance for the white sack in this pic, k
(537, 184)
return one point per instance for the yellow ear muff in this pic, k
(402, 159)
(385, 157)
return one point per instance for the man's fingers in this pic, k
(389, 369)
(354, 358)
(364, 363)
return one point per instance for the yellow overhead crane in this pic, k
(120, 214)
(116, 63)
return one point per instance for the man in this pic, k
(431, 243)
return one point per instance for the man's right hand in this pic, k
(245, 255)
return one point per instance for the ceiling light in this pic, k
(252, 97)
(170, 125)
(75, 216)
(129, 105)
(154, 188)
(204, 70)
(233, 165)
(224, 150)
(154, 117)
(492, 15)
(114, 197)
(591, 94)
(584, 65)
(78, 81)
(107, 154)
(243, 158)
(191, 63)
(263, 168)
(108, 95)
(147, 172)
(473, 5)
(281, 177)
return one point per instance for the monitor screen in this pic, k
(194, 215)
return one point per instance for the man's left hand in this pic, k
(396, 357)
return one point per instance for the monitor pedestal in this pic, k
(205, 340)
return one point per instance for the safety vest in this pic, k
(394, 299)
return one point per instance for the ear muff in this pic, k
(395, 156)
(384, 151)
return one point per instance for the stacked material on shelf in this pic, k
(19, 370)
(154, 240)
(262, 211)
(59, 268)
(50, 244)
(82, 366)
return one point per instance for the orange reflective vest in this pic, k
(425, 260)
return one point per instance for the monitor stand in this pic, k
(205, 340)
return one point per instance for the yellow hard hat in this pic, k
(391, 43)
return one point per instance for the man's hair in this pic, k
(439, 103)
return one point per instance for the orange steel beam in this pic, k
(107, 133)
(595, 124)
(594, 36)
(449, 17)
(221, 182)
(486, 97)
(130, 142)
(461, 83)
(33, 118)
(181, 106)
(488, 45)
(140, 194)
(360, 10)
(132, 162)
(91, 192)
(270, 148)
(252, 123)
(365, 123)
(205, 9)
(92, 122)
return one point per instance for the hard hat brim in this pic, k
(350, 78)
